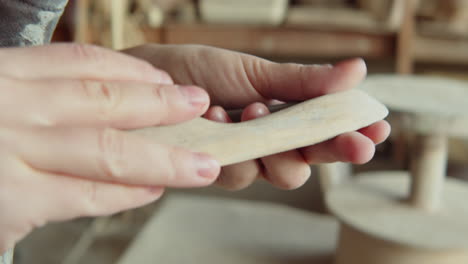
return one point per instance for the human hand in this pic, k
(63, 151)
(237, 80)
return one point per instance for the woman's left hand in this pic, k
(237, 80)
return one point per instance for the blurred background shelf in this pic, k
(284, 41)
(408, 32)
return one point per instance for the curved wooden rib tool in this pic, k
(303, 124)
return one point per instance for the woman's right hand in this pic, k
(63, 151)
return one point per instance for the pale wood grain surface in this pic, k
(298, 126)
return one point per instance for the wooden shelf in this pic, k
(279, 41)
(438, 50)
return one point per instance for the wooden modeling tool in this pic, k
(417, 216)
(300, 125)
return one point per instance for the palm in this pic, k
(222, 73)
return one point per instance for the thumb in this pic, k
(297, 82)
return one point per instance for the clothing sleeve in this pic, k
(28, 22)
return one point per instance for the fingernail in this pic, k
(195, 96)
(358, 62)
(155, 190)
(220, 116)
(207, 166)
(262, 110)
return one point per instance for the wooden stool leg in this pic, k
(428, 167)
(404, 56)
(333, 174)
(118, 12)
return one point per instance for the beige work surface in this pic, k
(194, 229)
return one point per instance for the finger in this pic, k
(114, 156)
(122, 105)
(71, 197)
(217, 114)
(237, 176)
(296, 82)
(77, 61)
(286, 170)
(377, 132)
(39, 198)
(350, 147)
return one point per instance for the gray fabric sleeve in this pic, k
(28, 22)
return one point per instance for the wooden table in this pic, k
(196, 229)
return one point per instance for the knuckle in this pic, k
(89, 191)
(172, 171)
(173, 166)
(162, 98)
(302, 76)
(111, 147)
(301, 73)
(10, 165)
(86, 52)
(106, 95)
(161, 94)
